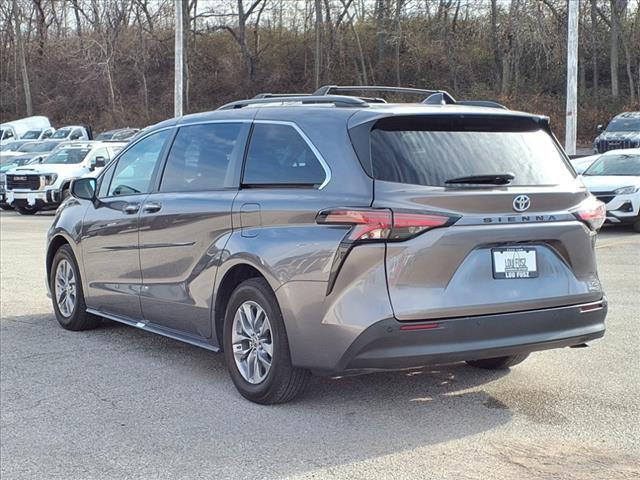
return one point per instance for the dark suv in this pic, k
(331, 233)
(621, 132)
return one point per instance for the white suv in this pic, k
(31, 188)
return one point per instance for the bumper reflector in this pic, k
(424, 326)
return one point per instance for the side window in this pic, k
(134, 170)
(278, 155)
(100, 152)
(200, 157)
(75, 135)
(104, 180)
(47, 134)
(9, 134)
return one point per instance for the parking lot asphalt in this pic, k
(117, 402)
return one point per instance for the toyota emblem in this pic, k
(521, 203)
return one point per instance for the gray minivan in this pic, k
(333, 233)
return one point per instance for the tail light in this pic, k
(377, 225)
(592, 212)
(374, 224)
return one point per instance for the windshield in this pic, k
(105, 136)
(624, 125)
(37, 147)
(10, 147)
(31, 135)
(9, 163)
(67, 155)
(62, 133)
(619, 165)
(431, 150)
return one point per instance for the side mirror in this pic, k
(600, 128)
(98, 162)
(84, 188)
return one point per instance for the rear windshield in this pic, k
(430, 151)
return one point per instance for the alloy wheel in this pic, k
(252, 342)
(65, 288)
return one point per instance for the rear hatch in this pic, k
(521, 229)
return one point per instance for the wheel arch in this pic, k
(229, 281)
(57, 241)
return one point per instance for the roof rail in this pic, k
(328, 89)
(337, 100)
(275, 95)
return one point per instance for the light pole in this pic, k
(179, 63)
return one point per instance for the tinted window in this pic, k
(279, 155)
(199, 157)
(430, 151)
(134, 171)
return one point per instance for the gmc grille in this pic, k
(23, 182)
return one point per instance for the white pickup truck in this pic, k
(31, 188)
(12, 131)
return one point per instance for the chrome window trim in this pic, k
(316, 152)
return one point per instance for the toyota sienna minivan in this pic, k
(333, 234)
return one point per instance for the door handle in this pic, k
(131, 208)
(151, 207)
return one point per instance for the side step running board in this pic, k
(150, 327)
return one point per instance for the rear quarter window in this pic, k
(431, 150)
(278, 155)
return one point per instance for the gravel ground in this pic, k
(122, 403)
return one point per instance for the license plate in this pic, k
(514, 262)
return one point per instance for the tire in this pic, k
(498, 363)
(5, 206)
(76, 318)
(28, 210)
(636, 226)
(281, 382)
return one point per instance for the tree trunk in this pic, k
(398, 39)
(23, 60)
(318, 44)
(615, 34)
(495, 42)
(594, 46)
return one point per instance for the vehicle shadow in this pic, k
(117, 388)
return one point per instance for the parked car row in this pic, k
(31, 184)
(39, 128)
(36, 174)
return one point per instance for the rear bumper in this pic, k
(384, 345)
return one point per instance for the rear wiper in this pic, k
(489, 179)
